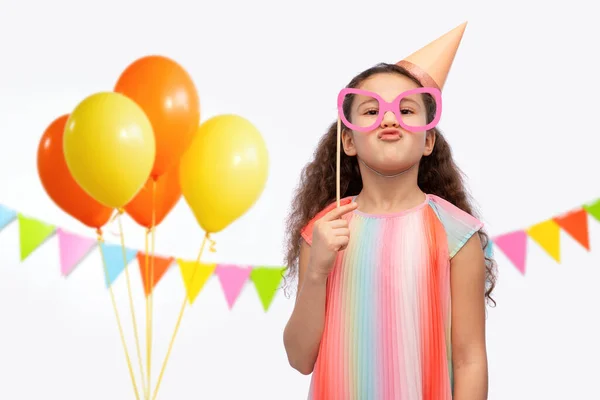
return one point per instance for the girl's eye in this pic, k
(405, 111)
(372, 112)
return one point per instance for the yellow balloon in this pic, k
(109, 147)
(224, 171)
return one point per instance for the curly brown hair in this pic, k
(438, 174)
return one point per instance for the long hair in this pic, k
(438, 175)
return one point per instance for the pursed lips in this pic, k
(390, 134)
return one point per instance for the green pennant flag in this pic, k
(593, 209)
(266, 280)
(32, 233)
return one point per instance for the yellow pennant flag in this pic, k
(195, 276)
(547, 235)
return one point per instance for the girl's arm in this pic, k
(469, 354)
(303, 331)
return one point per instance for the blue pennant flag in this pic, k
(6, 216)
(113, 256)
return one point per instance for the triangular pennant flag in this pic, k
(73, 248)
(232, 278)
(593, 209)
(199, 272)
(6, 216)
(575, 223)
(514, 246)
(266, 280)
(161, 265)
(547, 235)
(32, 233)
(113, 257)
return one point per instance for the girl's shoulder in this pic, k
(306, 231)
(458, 224)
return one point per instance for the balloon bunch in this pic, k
(137, 150)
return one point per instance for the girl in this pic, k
(392, 277)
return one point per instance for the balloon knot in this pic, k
(212, 247)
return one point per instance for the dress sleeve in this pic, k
(307, 231)
(459, 225)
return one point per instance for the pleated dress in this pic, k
(387, 319)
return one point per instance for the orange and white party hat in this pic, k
(431, 64)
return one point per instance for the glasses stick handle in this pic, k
(337, 169)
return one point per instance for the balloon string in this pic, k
(114, 304)
(146, 263)
(151, 288)
(134, 320)
(185, 299)
(112, 220)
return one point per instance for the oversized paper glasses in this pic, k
(368, 110)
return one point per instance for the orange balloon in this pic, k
(59, 183)
(168, 96)
(168, 193)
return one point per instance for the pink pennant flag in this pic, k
(232, 278)
(73, 248)
(514, 246)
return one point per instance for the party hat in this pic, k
(431, 64)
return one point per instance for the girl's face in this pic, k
(388, 148)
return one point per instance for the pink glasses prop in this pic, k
(407, 122)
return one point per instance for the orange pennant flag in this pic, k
(547, 235)
(161, 265)
(575, 223)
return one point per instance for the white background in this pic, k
(520, 106)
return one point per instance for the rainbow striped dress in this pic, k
(387, 319)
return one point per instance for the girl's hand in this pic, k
(330, 235)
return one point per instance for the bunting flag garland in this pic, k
(6, 216)
(161, 265)
(514, 246)
(547, 235)
(74, 248)
(113, 258)
(232, 278)
(32, 233)
(593, 209)
(575, 223)
(199, 272)
(266, 280)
